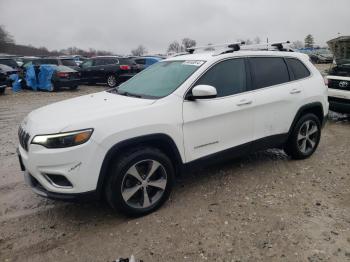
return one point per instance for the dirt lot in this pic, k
(262, 207)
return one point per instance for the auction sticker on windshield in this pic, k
(193, 62)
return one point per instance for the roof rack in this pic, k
(236, 46)
(232, 46)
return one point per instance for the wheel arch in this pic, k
(315, 108)
(161, 141)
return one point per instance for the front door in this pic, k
(213, 125)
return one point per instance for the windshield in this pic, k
(160, 79)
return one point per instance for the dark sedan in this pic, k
(108, 69)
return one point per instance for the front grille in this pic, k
(339, 84)
(23, 137)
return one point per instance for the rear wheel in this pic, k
(305, 137)
(112, 80)
(140, 181)
(73, 87)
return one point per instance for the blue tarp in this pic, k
(40, 79)
(31, 79)
(45, 76)
(16, 83)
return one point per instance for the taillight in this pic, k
(63, 74)
(124, 67)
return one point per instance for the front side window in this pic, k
(269, 71)
(160, 79)
(86, 64)
(100, 62)
(298, 69)
(228, 77)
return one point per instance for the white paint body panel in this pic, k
(198, 128)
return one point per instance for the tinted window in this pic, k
(100, 62)
(269, 71)
(140, 61)
(228, 77)
(298, 68)
(68, 62)
(46, 62)
(9, 62)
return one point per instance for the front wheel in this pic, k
(304, 137)
(140, 181)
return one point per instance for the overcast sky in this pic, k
(120, 26)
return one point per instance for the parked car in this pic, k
(128, 143)
(108, 69)
(322, 55)
(53, 61)
(63, 76)
(5, 72)
(144, 62)
(9, 62)
(77, 59)
(338, 77)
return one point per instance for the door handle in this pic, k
(244, 102)
(295, 91)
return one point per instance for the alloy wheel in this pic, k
(144, 184)
(111, 81)
(307, 136)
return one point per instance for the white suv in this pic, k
(128, 144)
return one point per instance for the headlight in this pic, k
(60, 140)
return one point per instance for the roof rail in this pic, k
(235, 46)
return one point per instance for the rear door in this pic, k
(276, 98)
(213, 125)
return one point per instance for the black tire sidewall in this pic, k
(116, 175)
(116, 80)
(292, 145)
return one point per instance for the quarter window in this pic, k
(298, 69)
(228, 77)
(269, 71)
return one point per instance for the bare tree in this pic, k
(297, 44)
(174, 47)
(139, 51)
(5, 37)
(188, 43)
(257, 40)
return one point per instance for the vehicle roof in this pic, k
(213, 56)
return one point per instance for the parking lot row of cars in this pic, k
(72, 71)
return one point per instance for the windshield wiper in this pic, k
(128, 94)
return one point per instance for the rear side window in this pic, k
(100, 62)
(68, 62)
(298, 69)
(140, 61)
(228, 77)
(269, 71)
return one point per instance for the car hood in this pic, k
(78, 113)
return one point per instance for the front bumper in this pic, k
(339, 100)
(80, 165)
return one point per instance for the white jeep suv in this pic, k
(128, 144)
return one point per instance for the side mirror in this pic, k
(202, 92)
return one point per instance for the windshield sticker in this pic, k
(193, 63)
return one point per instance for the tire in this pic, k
(2, 91)
(305, 137)
(112, 80)
(131, 179)
(73, 87)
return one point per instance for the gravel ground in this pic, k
(261, 207)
